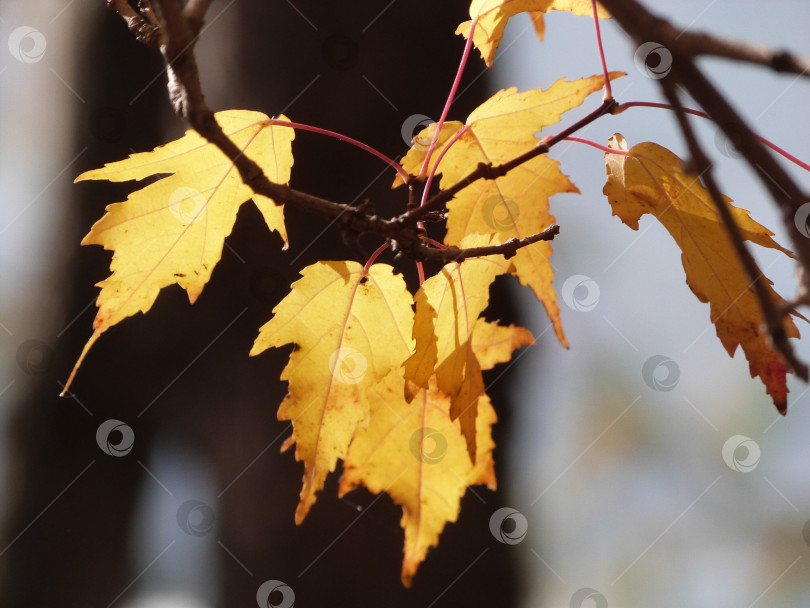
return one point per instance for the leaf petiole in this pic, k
(374, 257)
(593, 144)
(444, 151)
(608, 90)
(651, 104)
(465, 55)
(345, 138)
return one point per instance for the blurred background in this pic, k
(647, 466)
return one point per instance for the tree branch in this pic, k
(490, 171)
(772, 315)
(698, 43)
(144, 31)
(693, 44)
(185, 92)
(507, 249)
(640, 25)
(194, 12)
(187, 98)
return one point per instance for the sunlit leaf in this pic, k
(336, 315)
(651, 179)
(172, 230)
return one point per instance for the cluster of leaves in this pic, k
(388, 381)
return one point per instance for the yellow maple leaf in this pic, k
(495, 343)
(448, 305)
(415, 453)
(650, 179)
(173, 230)
(517, 204)
(491, 17)
(581, 8)
(337, 316)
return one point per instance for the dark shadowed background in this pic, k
(203, 413)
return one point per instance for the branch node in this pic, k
(143, 26)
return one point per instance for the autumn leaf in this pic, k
(650, 179)
(415, 453)
(412, 450)
(493, 343)
(491, 16)
(420, 366)
(447, 309)
(172, 231)
(581, 8)
(350, 328)
(517, 204)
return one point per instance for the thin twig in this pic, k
(507, 249)
(608, 89)
(652, 104)
(699, 43)
(641, 24)
(490, 171)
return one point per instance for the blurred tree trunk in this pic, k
(362, 72)
(70, 506)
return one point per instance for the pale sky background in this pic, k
(624, 488)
